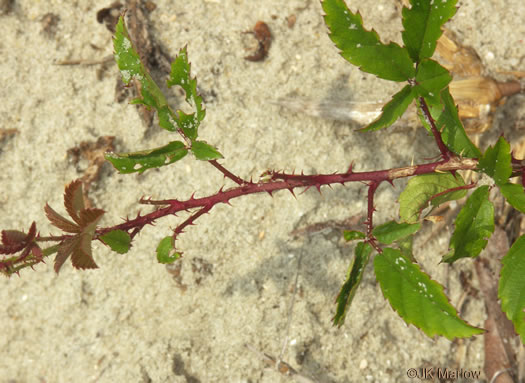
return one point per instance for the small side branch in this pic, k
(227, 173)
(372, 187)
(445, 152)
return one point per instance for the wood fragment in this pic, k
(264, 38)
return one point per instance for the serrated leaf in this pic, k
(118, 240)
(393, 109)
(180, 75)
(89, 217)
(147, 159)
(363, 48)
(392, 231)
(61, 222)
(452, 130)
(350, 235)
(64, 251)
(82, 258)
(74, 200)
(496, 162)
(474, 226)
(423, 189)
(511, 289)
(431, 79)
(166, 252)
(131, 67)
(515, 195)
(422, 23)
(204, 151)
(418, 299)
(353, 279)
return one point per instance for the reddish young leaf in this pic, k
(12, 237)
(64, 251)
(89, 216)
(61, 222)
(82, 258)
(74, 200)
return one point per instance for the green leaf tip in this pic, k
(204, 151)
(350, 235)
(166, 252)
(353, 279)
(418, 299)
(511, 289)
(496, 162)
(474, 226)
(363, 48)
(422, 23)
(118, 240)
(394, 109)
(392, 231)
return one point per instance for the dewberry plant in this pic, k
(412, 293)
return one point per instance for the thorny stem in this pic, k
(372, 187)
(227, 173)
(445, 152)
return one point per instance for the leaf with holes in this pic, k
(363, 48)
(474, 226)
(418, 299)
(166, 252)
(422, 23)
(147, 159)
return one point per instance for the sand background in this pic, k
(130, 320)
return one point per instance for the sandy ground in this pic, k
(131, 320)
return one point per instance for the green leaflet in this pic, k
(353, 278)
(351, 235)
(363, 48)
(166, 251)
(511, 289)
(496, 162)
(130, 67)
(204, 152)
(514, 194)
(118, 240)
(423, 189)
(422, 23)
(180, 75)
(147, 159)
(418, 299)
(393, 109)
(474, 225)
(452, 131)
(392, 231)
(431, 79)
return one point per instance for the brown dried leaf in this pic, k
(74, 200)
(61, 222)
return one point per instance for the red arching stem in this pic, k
(445, 152)
(281, 181)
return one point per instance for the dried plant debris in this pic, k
(93, 152)
(7, 133)
(109, 16)
(50, 24)
(6, 6)
(262, 34)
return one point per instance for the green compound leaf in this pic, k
(204, 152)
(422, 23)
(425, 188)
(418, 299)
(511, 289)
(452, 132)
(353, 278)
(180, 75)
(166, 251)
(351, 235)
(474, 226)
(496, 162)
(363, 48)
(147, 159)
(118, 240)
(431, 79)
(515, 195)
(130, 67)
(392, 231)
(393, 109)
